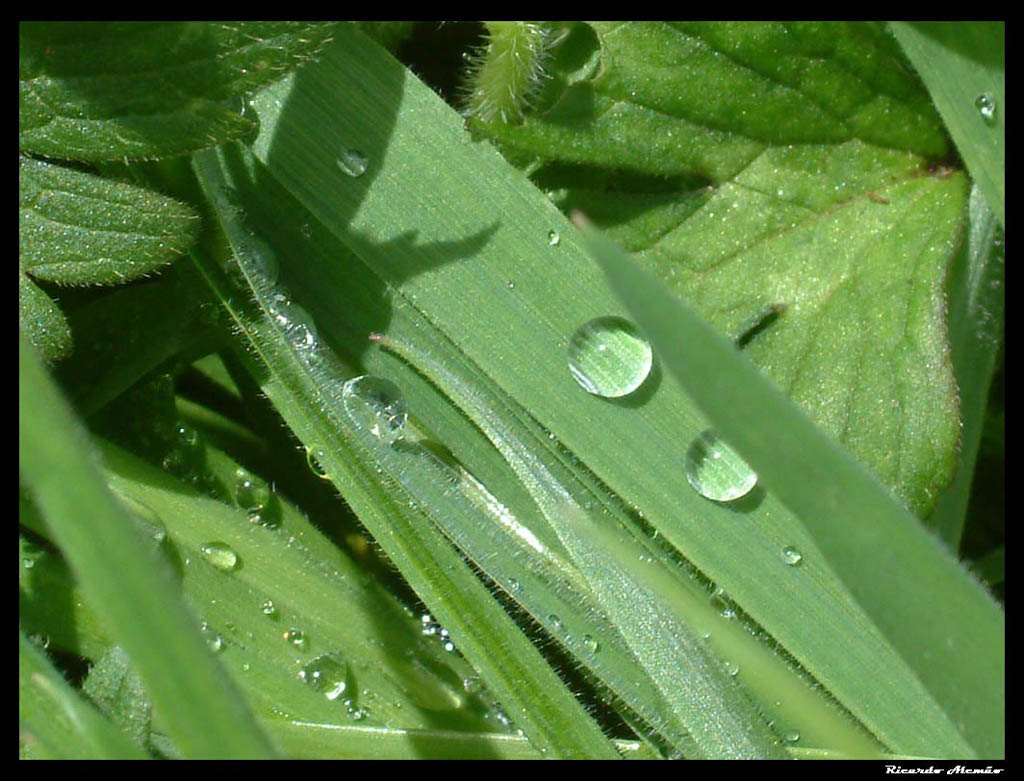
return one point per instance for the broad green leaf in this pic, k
(55, 722)
(117, 690)
(125, 584)
(925, 604)
(77, 228)
(99, 91)
(963, 65)
(775, 176)
(41, 320)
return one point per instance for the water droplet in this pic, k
(375, 405)
(352, 162)
(720, 601)
(260, 257)
(471, 684)
(296, 637)
(791, 736)
(29, 563)
(449, 646)
(553, 238)
(314, 463)
(987, 107)
(213, 639)
(511, 285)
(330, 675)
(716, 471)
(269, 609)
(251, 493)
(591, 644)
(513, 584)
(791, 556)
(608, 357)
(555, 621)
(220, 555)
(306, 230)
(732, 668)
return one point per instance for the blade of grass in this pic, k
(306, 387)
(205, 714)
(975, 333)
(963, 66)
(914, 590)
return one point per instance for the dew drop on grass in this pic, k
(554, 238)
(608, 357)
(376, 406)
(716, 471)
(314, 463)
(352, 162)
(791, 556)
(986, 106)
(251, 493)
(296, 637)
(330, 675)
(213, 640)
(269, 609)
(591, 644)
(791, 736)
(220, 555)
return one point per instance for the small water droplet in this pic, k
(716, 471)
(330, 675)
(591, 644)
(296, 637)
(556, 622)
(511, 285)
(791, 556)
(251, 492)
(732, 668)
(306, 230)
(220, 555)
(987, 107)
(269, 609)
(352, 162)
(720, 601)
(471, 685)
(213, 639)
(608, 357)
(554, 238)
(449, 646)
(315, 465)
(513, 584)
(375, 405)
(791, 736)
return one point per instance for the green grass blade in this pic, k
(923, 602)
(976, 316)
(306, 387)
(205, 714)
(963, 66)
(56, 723)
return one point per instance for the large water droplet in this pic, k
(330, 675)
(987, 107)
(375, 405)
(251, 492)
(608, 357)
(791, 556)
(716, 471)
(220, 555)
(352, 162)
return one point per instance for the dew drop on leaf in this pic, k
(716, 471)
(376, 406)
(608, 357)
